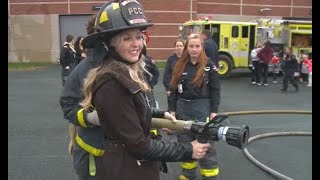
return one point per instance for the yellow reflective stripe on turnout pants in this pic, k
(189, 165)
(209, 172)
(92, 165)
(90, 149)
(208, 164)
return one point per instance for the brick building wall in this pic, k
(166, 15)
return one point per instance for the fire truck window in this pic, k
(225, 42)
(235, 31)
(245, 32)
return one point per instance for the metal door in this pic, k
(72, 24)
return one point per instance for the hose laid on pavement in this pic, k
(237, 113)
(250, 157)
(264, 167)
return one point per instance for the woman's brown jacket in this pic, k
(125, 118)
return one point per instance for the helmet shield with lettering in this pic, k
(114, 17)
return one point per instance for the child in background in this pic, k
(309, 66)
(304, 68)
(275, 68)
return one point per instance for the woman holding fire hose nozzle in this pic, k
(117, 90)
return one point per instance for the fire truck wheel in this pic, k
(225, 66)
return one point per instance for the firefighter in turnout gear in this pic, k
(86, 137)
(196, 96)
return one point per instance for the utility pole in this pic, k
(190, 9)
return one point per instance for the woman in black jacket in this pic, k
(171, 62)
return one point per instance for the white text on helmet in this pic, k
(135, 11)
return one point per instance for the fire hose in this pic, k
(234, 135)
(237, 136)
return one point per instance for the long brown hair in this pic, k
(135, 70)
(184, 59)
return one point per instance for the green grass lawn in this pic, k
(161, 64)
(27, 65)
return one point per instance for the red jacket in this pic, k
(265, 55)
(309, 65)
(275, 60)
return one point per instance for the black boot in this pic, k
(163, 167)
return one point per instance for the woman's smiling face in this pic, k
(129, 44)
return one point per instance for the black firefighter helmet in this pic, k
(114, 17)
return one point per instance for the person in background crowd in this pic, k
(290, 67)
(67, 58)
(309, 65)
(265, 55)
(275, 62)
(171, 62)
(80, 51)
(256, 67)
(211, 47)
(304, 68)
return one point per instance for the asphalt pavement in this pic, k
(38, 134)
